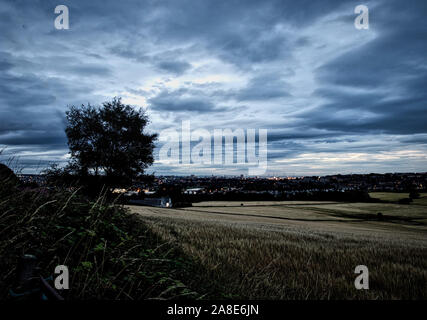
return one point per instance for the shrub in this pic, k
(110, 253)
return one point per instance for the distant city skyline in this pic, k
(334, 99)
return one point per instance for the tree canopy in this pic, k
(109, 140)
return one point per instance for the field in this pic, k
(395, 196)
(301, 250)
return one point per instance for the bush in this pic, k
(110, 253)
(414, 194)
(7, 176)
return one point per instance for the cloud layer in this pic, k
(333, 98)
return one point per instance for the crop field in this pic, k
(396, 196)
(301, 250)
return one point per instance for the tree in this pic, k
(109, 141)
(414, 194)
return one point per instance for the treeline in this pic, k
(348, 196)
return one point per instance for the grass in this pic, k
(110, 253)
(299, 250)
(422, 201)
(396, 196)
(389, 196)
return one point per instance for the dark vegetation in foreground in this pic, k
(110, 253)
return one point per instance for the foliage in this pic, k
(109, 140)
(7, 175)
(110, 253)
(414, 194)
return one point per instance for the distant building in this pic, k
(119, 190)
(193, 190)
(163, 202)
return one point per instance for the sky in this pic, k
(333, 98)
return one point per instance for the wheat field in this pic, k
(301, 250)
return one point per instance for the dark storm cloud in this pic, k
(29, 110)
(240, 32)
(166, 61)
(41, 75)
(247, 64)
(264, 87)
(181, 101)
(5, 63)
(176, 67)
(28, 137)
(298, 133)
(28, 90)
(419, 139)
(88, 70)
(385, 80)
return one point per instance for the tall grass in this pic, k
(110, 253)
